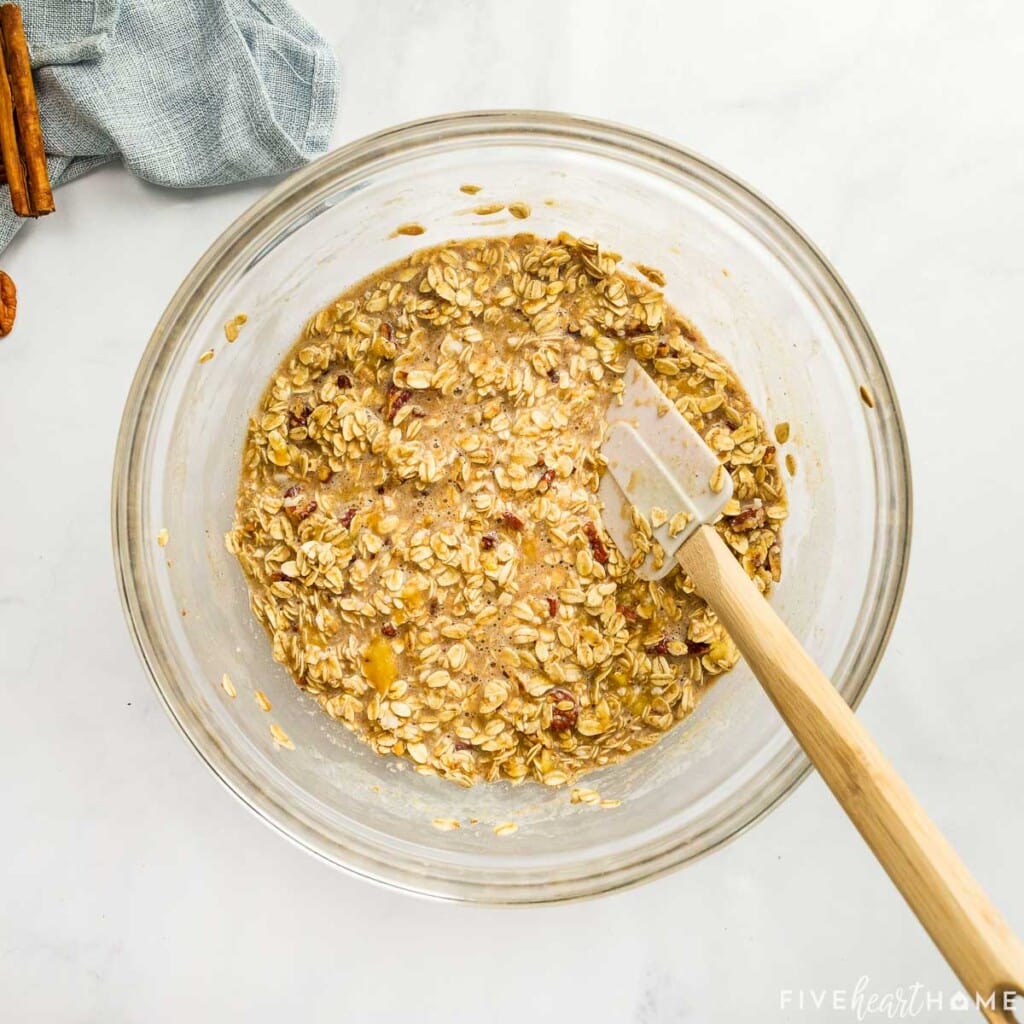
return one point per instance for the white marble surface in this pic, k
(137, 889)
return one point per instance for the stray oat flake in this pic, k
(234, 325)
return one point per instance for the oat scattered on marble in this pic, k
(163, 537)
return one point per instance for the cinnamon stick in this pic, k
(29, 133)
(9, 146)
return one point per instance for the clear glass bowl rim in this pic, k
(284, 205)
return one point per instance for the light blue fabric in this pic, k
(185, 92)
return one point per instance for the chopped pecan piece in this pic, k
(389, 630)
(633, 328)
(298, 414)
(487, 541)
(629, 614)
(597, 546)
(397, 397)
(344, 381)
(749, 519)
(295, 507)
(512, 521)
(692, 647)
(347, 516)
(564, 711)
(552, 606)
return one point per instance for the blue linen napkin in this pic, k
(185, 92)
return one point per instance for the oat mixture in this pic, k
(419, 524)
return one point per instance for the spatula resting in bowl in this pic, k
(656, 460)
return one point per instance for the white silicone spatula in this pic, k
(656, 459)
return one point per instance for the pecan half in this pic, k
(8, 304)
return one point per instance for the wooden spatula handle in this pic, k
(986, 956)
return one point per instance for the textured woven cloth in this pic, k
(185, 92)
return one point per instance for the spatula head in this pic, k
(658, 464)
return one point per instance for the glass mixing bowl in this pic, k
(763, 296)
